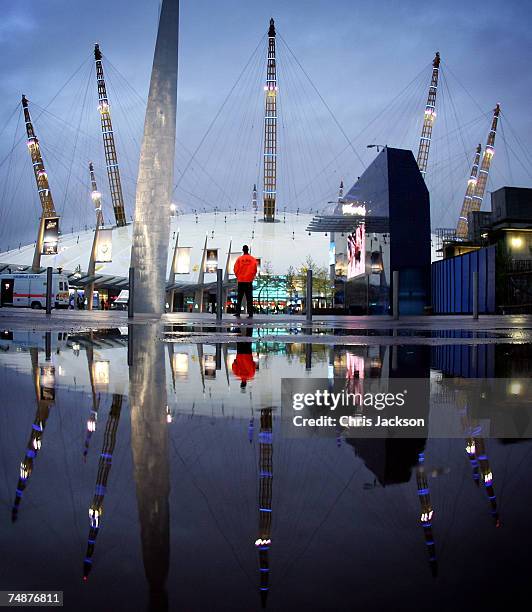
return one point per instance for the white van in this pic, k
(120, 303)
(30, 290)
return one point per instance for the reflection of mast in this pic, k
(263, 542)
(426, 512)
(476, 451)
(149, 442)
(471, 453)
(487, 477)
(93, 417)
(44, 383)
(104, 467)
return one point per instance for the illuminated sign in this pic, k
(376, 262)
(104, 246)
(180, 364)
(211, 260)
(182, 264)
(47, 383)
(354, 209)
(100, 373)
(356, 252)
(332, 254)
(209, 366)
(50, 236)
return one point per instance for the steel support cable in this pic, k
(11, 210)
(240, 144)
(314, 125)
(402, 114)
(319, 146)
(83, 106)
(255, 87)
(446, 210)
(376, 118)
(111, 69)
(256, 79)
(463, 87)
(57, 408)
(46, 113)
(233, 170)
(302, 464)
(258, 127)
(142, 99)
(10, 157)
(283, 137)
(300, 119)
(259, 115)
(299, 161)
(286, 570)
(211, 511)
(525, 152)
(468, 124)
(52, 100)
(446, 131)
(518, 157)
(121, 145)
(295, 119)
(409, 119)
(223, 127)
(219, 112)
(324, 102)
(301, 123)
(252, 119)
(17, 108)
(448, 197)
(453, 107)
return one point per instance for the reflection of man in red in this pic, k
(244, 366)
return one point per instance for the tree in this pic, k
(321, 283)
(291, 285)
(264, 279)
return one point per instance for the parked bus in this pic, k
(30, 290)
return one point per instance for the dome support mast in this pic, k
(43, 187)
(270, 130)
(428, 119)
(111, 159)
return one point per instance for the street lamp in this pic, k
(377, 146)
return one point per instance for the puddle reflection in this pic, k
(231, 514)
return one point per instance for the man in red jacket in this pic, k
(245, 270)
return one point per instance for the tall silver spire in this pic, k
(151, 230)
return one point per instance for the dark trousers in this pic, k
(245, 289)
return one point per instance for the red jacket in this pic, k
(245, 268)
(244, 367)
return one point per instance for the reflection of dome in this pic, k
(282, 244)
(391, 461)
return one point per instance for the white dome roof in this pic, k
(283, 243)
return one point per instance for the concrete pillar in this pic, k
(151, 230)
(395, 295)
(49, 286)
(308, 297)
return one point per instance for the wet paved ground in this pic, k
(145, 467)
(432, 330)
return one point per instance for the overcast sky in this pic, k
(360, 55)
